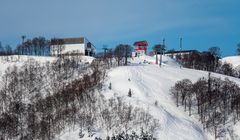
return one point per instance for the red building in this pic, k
(140, 47)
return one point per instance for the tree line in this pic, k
(216, 101)
(116, 56)
(5, 50)
(38, 46)
(208, 61)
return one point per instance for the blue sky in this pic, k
(201, 23)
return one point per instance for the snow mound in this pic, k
(166, 61)
(42, 59)
(15, 59)
(87, 59)
(18, 60)
(234, 60)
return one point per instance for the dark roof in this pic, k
(140, 42)
(79, 40)
(183, 51)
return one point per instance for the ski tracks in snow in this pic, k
(173, 126)
(140, 81)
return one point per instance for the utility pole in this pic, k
(105, 49)
(21, 48)
(157, 49)
(156, 52)
(162, 48)
(164, 43)
(23, 38)
(126, 53)
(181, 48)
(156, 57)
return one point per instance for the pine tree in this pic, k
(129, 93)
(110, 86)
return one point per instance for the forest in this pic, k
(208, 61)
(42, 100)
(215, 101)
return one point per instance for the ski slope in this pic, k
(151, 83)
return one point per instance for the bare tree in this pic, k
(57, 47)
(119, 53)
(215, 51)
(1, 49)
(128, 51)
(8, 50)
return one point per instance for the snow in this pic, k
(23, 58)
(234, 60)
(6, 61)
(19, 60)
(150, 83)
(236, 129)
(152, 60)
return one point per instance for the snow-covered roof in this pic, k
(79, 40)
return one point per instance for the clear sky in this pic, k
(201, 23)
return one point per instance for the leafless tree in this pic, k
(57, 47)
(119, 53)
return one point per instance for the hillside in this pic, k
(234, 60)
(150, 84)
(18, 60)
(150, 87)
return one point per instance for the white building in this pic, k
(72, 46)
(174, 54)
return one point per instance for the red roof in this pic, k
(141, 43)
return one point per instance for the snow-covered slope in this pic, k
(234, 60)
(8, 61)
(152, 60)
(150, 84)
(18, 60)
(42, 59)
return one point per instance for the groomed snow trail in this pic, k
(150, 83)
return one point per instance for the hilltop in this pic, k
(150, 85)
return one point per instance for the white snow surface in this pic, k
(150, 83)
(7, 61)
(234, 60)
(18, 60)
